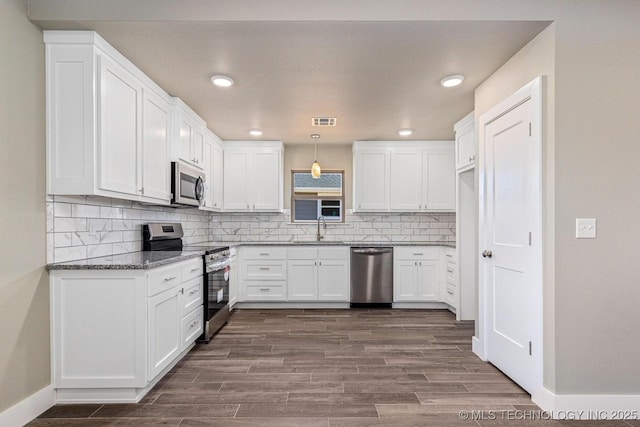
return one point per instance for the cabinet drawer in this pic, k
(417, 252)
(259, 291)
(164, 278)
(264, 270)
(450, 295)
(191, 328)
(264, 252)
(191, 295)
(192, 269)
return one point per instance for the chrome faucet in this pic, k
(324, 224)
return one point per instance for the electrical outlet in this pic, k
(585, 228)
(356, 226)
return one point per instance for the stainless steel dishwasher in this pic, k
(371, 276)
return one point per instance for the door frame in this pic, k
(532, 91)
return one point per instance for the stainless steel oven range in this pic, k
(168, 237)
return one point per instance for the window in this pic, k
(312, 197)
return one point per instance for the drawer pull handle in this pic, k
(265, 268)
(450, 256)
(264, 289)
(195, 269)
(450, 270)
(193, 291)
(264, 253)
(419, 253)
(192, 324)
(168, 279)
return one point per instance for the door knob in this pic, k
(487, 254)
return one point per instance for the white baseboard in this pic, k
(588, 406)
(477, 348)
(26, 410)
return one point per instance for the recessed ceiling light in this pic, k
(222, 81)
(405, 132)
(255, 132)
(451, 81)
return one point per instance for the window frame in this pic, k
(315, 197)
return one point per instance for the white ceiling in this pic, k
(375, 77)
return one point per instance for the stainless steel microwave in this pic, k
(187, 185)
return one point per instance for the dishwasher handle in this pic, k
(371, 251)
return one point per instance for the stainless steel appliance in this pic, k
(371, 277)
(187, 185)
(168, 237)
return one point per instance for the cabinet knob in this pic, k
(487, 254)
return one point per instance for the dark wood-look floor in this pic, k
(324, 368)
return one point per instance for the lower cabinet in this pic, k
(417, 273)
(318, 274)
(115, 332)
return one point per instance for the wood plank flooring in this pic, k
(325, 368)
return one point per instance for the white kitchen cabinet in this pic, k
(156, 146)
(207, 164)
(417, 274)
(146, 320)
(465, 143)
(190, 130)
(107, 124)
(450, 280)
(371, 178)
(164, 332)
(392, 176)
(405, 183)
(438, 180)
(216, 178)
(252, 176)
(263, 273)
(318, 274)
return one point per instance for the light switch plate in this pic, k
(585, 228)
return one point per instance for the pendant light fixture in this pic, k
(315, 168)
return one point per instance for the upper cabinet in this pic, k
(393, 176)
(465, 143)
(212, 165)
(190, 134)
(108, 124)
(253, 176)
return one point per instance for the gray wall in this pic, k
(24, 285)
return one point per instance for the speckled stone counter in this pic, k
(340, 243)
(130, 261)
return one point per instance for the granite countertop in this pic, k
(341, 243)
(129, 261)
(147, 259)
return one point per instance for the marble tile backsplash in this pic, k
(400, 227)
(80, 227)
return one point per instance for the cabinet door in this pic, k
(428, 281)
(405, 189)
(372, 180)
(302, 284)
(465, 147)
(333, 280)
(120, 106)
(266, 172)
(164, 330)
(207, 153)
(185, 128)
(217, 176)
(197, 146)
(439, 181)
(405, 284)
(236, 180)
(156, 119)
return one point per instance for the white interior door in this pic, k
(511, 243)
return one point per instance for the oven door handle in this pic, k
(219, 266)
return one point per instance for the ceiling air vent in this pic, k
(323, 121)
